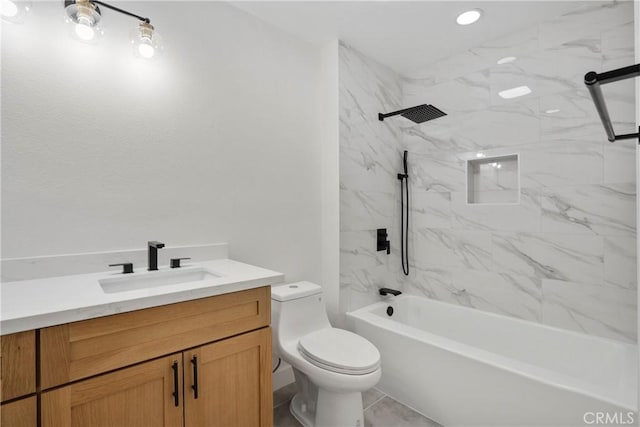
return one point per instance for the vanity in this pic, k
(164, 352)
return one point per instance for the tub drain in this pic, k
(389, 311)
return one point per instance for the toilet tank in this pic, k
(296, 310)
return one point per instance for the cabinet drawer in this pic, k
(18, 360)
(19, 413)
(82, 349)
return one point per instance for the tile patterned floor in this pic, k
(379, 410)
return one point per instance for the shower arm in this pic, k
(593, 81)
(381, 116)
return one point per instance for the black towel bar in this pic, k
(593, 81)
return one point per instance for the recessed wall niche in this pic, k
(493, 180)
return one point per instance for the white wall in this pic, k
(217, 140)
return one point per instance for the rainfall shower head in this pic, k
(418, 114)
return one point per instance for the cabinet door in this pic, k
(18, 360)
(19, 413)
(233, 379)
(142, 395)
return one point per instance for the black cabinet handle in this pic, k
(176, 400)
(194, 362)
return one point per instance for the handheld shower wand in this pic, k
(404, 216)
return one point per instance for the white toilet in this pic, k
(332, 367)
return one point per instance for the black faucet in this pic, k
(153, 254)
(387, 291)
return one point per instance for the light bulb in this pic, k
(144, 41)
(146, 50)
(85, 32)
(8, 8)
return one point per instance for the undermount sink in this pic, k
(155, 279)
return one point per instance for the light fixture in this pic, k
(84, 17)
(8, 8)
(480, 155)
(146, 43)
(469, 17)
(552, 111)
(14, 11)
(515, 92)
(86, 14)
(506, 60)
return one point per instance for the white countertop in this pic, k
(32, 304)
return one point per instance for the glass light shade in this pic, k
(14, 11)
(83, 18)
(147, 43)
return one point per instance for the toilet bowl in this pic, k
(332, 367)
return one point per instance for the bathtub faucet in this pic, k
(387, 291)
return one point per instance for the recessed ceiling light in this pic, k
(480, 155)
(469, 17)
(552, 111)
(506, 60)
(515, 92)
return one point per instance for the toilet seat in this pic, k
(341, 351)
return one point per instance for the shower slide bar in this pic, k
(593, 81)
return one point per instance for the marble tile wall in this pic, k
(565, 254)
(370, 158)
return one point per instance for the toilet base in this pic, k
(300, 412)
(332, 410)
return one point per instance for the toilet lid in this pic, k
(341, 351)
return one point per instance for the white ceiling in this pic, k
(405, 35)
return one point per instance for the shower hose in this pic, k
(404, 217)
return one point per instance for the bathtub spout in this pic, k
(387, 291)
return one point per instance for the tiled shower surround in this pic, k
(565, 254)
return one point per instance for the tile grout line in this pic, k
(281, 403)
(376, 401)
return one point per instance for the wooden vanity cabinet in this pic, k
(226, 383)
(18, 360)
(19, 413)
(204, 362)
(18, 380)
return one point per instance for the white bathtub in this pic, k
(465, 367)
